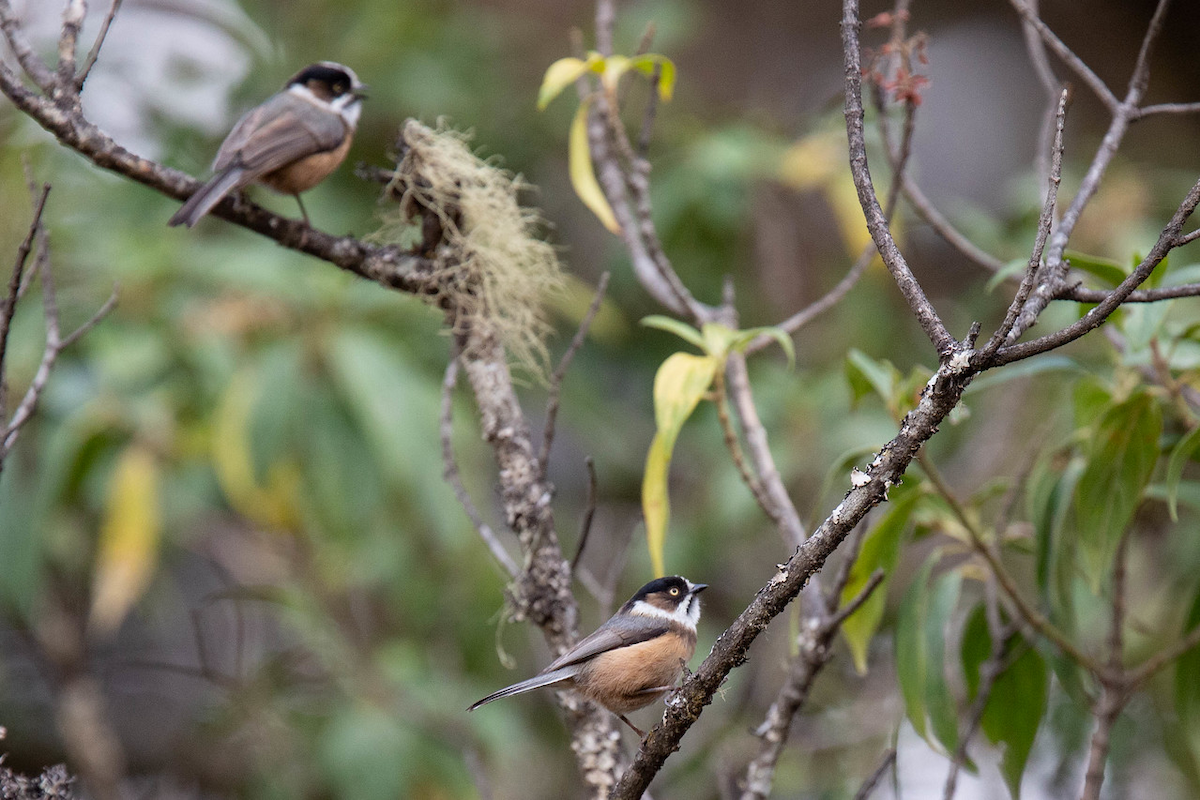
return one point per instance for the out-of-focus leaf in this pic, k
(1014, 712)
(647, 63)
(1187, 677)
(975, 649)
(679, 385)
(1090, 399)
(1013, 268)
(582, 172)
(880, 549)
(1180, 455)
(561, 74)
(1107, 271)
(129, 538)
(1120, 463)
(273, 504)
(866, 375)
(680, 329)
(921, 652)
(943, 716)
(1057, 544)
(370, 754)
(398, 417)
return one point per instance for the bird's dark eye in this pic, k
(339, 88)
(674, 591)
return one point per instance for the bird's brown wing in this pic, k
(617, 632)
(276, 133)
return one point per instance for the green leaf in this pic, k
(560, 75)
(666, 77)
(1120, 463)
(1013, 268)
(1024, 369)
(1106, 270)
(867, 375)
(921, 651)
(583, 175)
(880, 550)
(1187, 673)
(680, 329)
(911, 657)
(1014, 712)
(781, 337)
(1017, 701)
(1180, 455)
(679, 385)
(943, 715)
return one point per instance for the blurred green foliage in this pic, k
(322, 611)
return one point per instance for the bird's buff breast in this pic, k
(307, 172)
(619, 678)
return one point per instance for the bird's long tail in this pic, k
(536, 682)
(208, 196)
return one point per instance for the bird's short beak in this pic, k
(697, 588)
(361, 91)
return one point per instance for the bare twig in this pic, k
(815, 652)
(94, 54)
(1187, 238)
(27, 57)
(73, 15)
(897, 265)
(1096, 316)
(14, 284)
(589, 514)
(721, 398)
(1052, 276)
(1167, 108)
(888, 761)
(451, 475)
(555, 392)
(786, 516)
(1045, 223)
(1029, 16)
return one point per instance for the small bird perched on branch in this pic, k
(634, 658)
(291, 142)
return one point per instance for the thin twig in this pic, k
(1167, 108)
(1028, 613)
(451, 474)
(1068, 57)
(14, 284)
(560, 372)
(1187, 238)
(897, 265)
(94, 53)
(647, 130)
(888, 761)
(734, 447)
(1045, 224)
(1052, 276)
(589, 514)
(786, 516)
(27, 57)
(73, 15)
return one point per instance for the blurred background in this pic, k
(317, 609)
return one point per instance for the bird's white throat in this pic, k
(686, 613)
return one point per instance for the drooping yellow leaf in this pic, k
(273, 506)
(679, 385)
(129, 537)
(560, 75)
(583, 175)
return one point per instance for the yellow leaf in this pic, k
(679, 386)
(560, 75)
(129, 536)
(583, 176)
(272, 506)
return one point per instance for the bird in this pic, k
(632, 659)
(290, 142)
